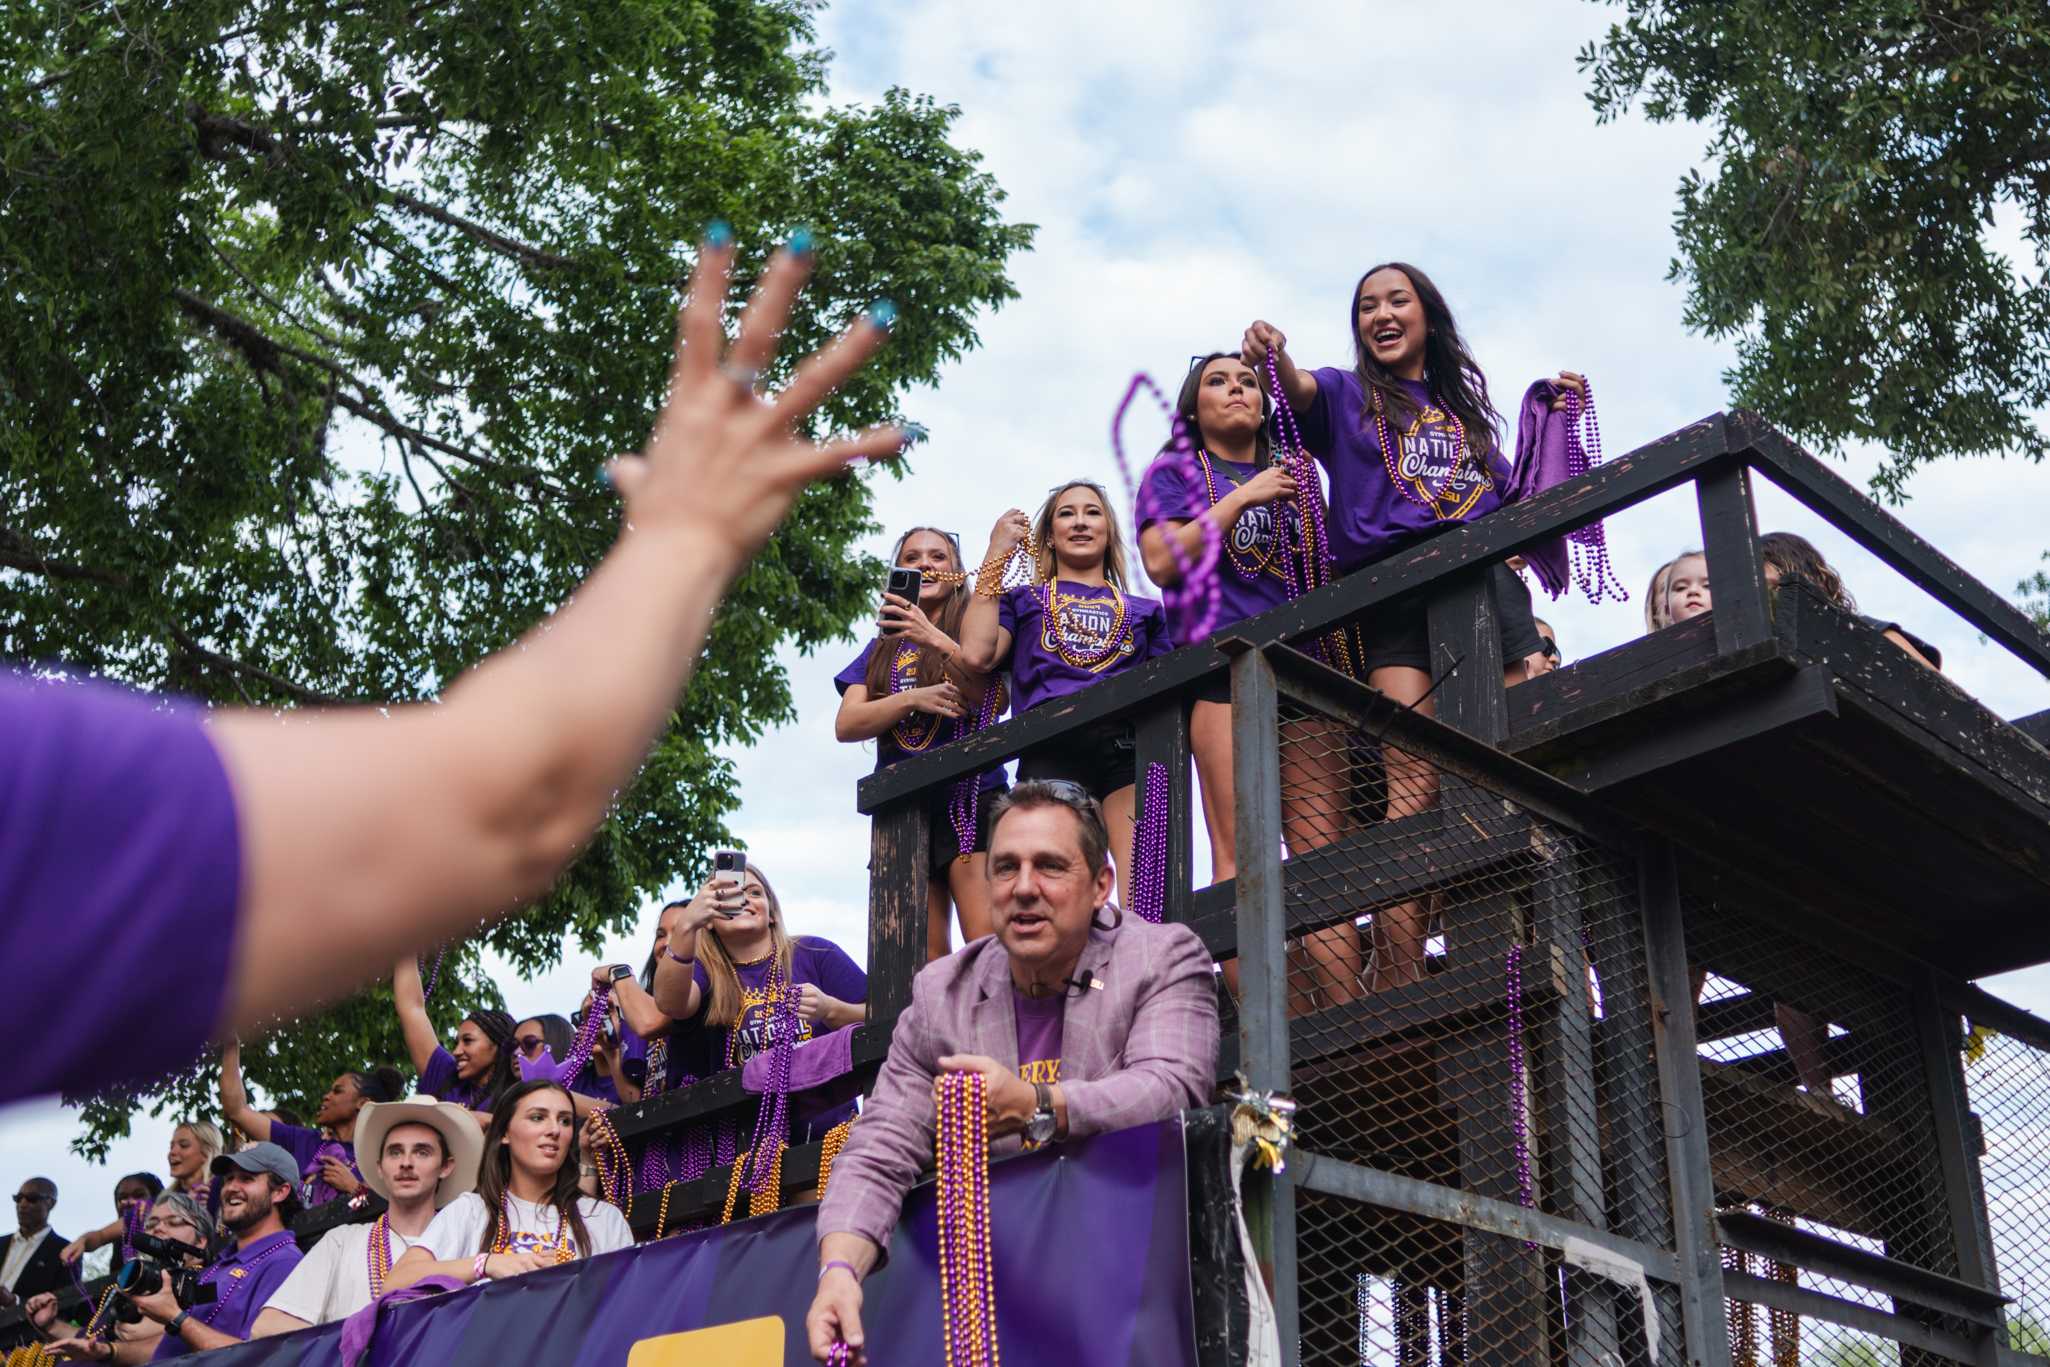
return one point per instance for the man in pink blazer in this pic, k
(1082, 1020)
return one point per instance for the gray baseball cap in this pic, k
(264, 1157)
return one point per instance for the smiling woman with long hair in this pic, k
(1078, 625)
(482, 1064)
(526, 1212)
(909, 692)
(1412, 443)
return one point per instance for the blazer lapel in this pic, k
(994, 1028)
(1085, 1032)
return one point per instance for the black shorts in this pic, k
(1101, 757)
(946, 841)
(1216, 689)
(1399, 634)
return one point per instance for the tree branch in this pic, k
(278, 681)
(497, 241)
(17, 552)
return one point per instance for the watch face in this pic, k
(621, 971)
(1040, 1127)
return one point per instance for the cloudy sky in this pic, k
(1192, 167)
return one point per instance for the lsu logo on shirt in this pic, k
(1085, 626)
(1442, 468)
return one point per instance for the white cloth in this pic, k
(458, 1231)
(19, 1250)
(333, 1281)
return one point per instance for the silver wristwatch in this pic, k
(1040, 1128)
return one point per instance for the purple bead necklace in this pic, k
(968, 1305)
(772, 1121)
(964, 804)
(1149, 850)
(131, 1225)
(433, 974)
(1196, 596)
(1316, 567)
(1525, 1189)
(587, 1036)
(909, 737)
(1589, 547)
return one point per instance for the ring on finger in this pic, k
(744, 376)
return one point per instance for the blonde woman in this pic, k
(1076, 626)
(728, 963)
(195, 1144)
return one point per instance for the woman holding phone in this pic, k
(727, 966)
(909, 692)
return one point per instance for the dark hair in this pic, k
(149, 1182)
(556, 1032)
(288, 1206)
(382, 1083)
(1033, 793)
(494, 1174)
(932, 662)
(1796, 558)
(1185, 409)
(1450, 371)
(498, 1028)
(648, 969)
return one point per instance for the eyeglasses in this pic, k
(1548, 648)
(530, 1044)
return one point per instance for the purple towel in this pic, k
(1541, 462)
(813, 1063)
(359, 1328)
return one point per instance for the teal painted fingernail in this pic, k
(719, 233)
(882, 313)
(605, 473)
(800, 242)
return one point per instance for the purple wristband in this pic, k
(840, 1262)
(673, 956)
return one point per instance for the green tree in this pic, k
(1860, 149)
(322, 316)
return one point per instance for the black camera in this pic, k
(160, 1263)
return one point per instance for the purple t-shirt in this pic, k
(702, 1050)
(1039, 1022)
(308, 1147)
(1089, 623)
(889, 749)
(119, 856)
(263, 1267)
(1370, 516)
(1252, 563)
(439, 1080)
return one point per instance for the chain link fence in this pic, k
(2007, 1085)
(1468, 1007)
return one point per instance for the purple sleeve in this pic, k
(1315, 421)
(438, 1078)
(1159, 640)
(857, 672)
(119, 855)
(835, 973)
(296, 1140)
(1165, 497)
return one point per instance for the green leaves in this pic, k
(322, 319)
(1861, 153)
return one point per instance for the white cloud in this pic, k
(1193, 167)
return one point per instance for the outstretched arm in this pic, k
(368, 833)
(235, 1097)
(1299, 385)
(410, 996)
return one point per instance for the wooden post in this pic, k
(1729, 541)
(899, 869)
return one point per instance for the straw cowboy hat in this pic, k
(455, 1126)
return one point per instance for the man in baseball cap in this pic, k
(418, 1154)
(258, 1199)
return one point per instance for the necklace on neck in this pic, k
(502, 1243)
(1445, 506)
(1259, 562)
(918, 731)
(1072, 638)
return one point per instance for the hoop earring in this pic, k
(1117, 918)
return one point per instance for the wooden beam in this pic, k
(1729, 539)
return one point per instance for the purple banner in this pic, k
(1091, 1252)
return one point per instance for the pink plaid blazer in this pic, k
(1135, 1050)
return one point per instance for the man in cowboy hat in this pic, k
(418, 1154)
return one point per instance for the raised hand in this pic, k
(1259, 339)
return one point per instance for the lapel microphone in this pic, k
(1086, 982)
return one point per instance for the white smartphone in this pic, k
(729, 866)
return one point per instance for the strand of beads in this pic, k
(1439, 505)
(503, 1238)
(378, 1254)
(131, 1225)
(433, 974)
(1313, 566)
(1007, 566)
(96, 1324)
(1065, 630)
(1525, 1191)
(829, 1149)
(1589, 546)
(964, 803)
(907, 732)
(587, 1035)
(615, 1168)
(968, 1303)
(1196, 597)
(839, 1355)
(765, 1154)
(1149, 850)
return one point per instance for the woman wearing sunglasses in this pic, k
(909, 691)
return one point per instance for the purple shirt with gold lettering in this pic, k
(1039, 1021)
(1091, 633)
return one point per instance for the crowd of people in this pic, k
(248, 834)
